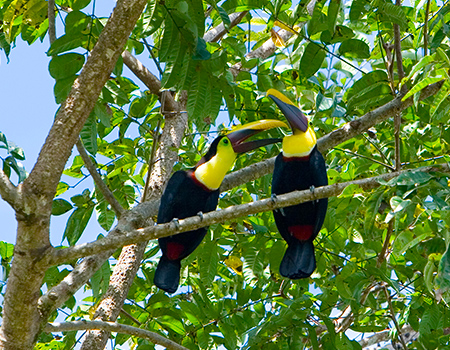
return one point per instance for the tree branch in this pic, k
(155, 338)
(385, 335)
(227, 214)
(425, 29)
(391, 309)
(106, 192)
(51, 21)
(216, 33)
(152, 82)
(401, 75)
(9, 192)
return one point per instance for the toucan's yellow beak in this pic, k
(239, 134)
(293, 114)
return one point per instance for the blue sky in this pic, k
(28, 108)
(27, 111)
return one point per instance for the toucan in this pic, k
(196, 191)
(299, 166)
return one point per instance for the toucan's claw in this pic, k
(282, 211)
(312, 188)
(273, 198)
(200, 214)
(176, 222)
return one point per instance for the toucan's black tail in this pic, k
(298, 261)
(167, 275)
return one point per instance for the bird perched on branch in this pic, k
(196, 191)
(299, 166)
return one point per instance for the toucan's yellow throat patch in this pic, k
(299, 144)
(211, 173)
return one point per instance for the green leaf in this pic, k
(229, 96)
(18, 167)
(170, 41)
(106, 218)
(390, 12)
(340, 34)
(229, 335)
(78, 4)
(197, 96)
(357, 9)
(354, 48)
(430, 319)
(207, 261)
(224, 16)
(177, 68)
(66, 43)
(66, 65)
(172, 324)
(60, 206)
(368, 91)
(89, 134)
(443, 277)
(232, 6)
(372, 206)
(201, 53)
(312, 59)
(16, 152)
(100, 280)
(62, 88)
(423, 62)
(422, 84)
(103, 114)
(6, 250)
(3, 139)
(318, 22)
(76, 224)
(333, 10)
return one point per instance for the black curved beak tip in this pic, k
(293, 114)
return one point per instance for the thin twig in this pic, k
(401, 75)
(382, 255)
(425, 29)
(155, 338)
(106, 192)
(365, 157)
(51, 21)
(130, 316)
(391, 308)
(151, 161)
(155, 60)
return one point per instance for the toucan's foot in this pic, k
(273, 198)
(176, 222)
(311, 189)
(281, 210)
(200, 214)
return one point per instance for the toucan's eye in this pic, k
(225, 141)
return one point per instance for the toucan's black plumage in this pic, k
(183, 197)
(197, 190)
(299, 166)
